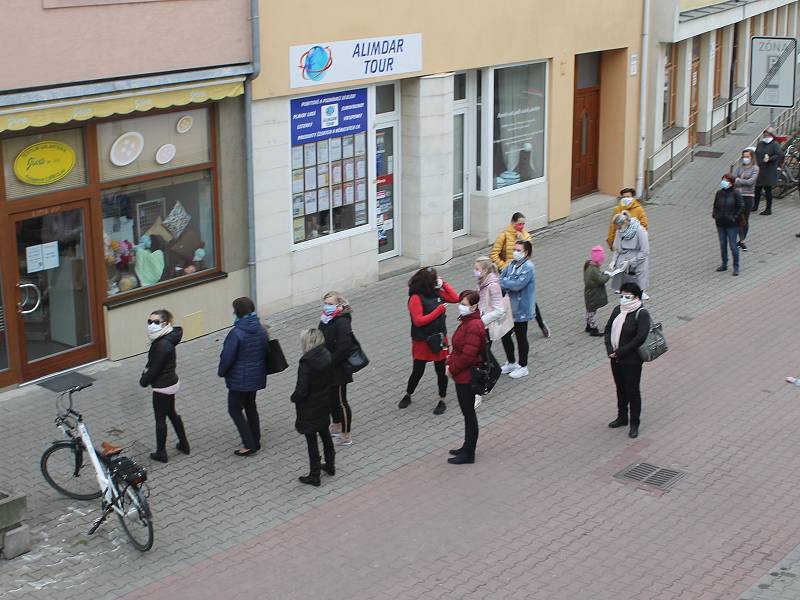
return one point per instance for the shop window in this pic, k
(460, 87)
(158, 231)
(153, 143)
(519, 124)
(588, 66)
(384, 98)
(43, 163)
(670, 85)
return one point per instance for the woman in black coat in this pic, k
(727, 212)
(312, 400)
(160, 374)
(769, 155)
(336, 325)
(626, 330)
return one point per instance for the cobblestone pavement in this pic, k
(539, 515)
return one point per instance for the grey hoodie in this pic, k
(746, 177)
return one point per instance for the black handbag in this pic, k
(357, 359)
(435, 342)
(276, 361)
(485, 375)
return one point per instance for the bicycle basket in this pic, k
(124, 469)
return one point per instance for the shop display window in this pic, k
(519, 124)
(158, 231)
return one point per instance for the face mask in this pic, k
(626, 201)
(724, 184)
(767, 140)
(464, 310)
(519, 226)
(477, 273)
(518, 255)
(329, 309)
(625, 300)
(746, 161)
(153, 328)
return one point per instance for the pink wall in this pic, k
(49, 46)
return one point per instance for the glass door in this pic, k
(386, 190)
(54, 310)
(460, 194)
(4, 358)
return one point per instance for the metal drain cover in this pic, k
(708, 154)
(658, 477)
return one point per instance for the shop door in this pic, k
(694, 101)
(6, 375)
(55, 314)
(460, 188)
(387, 184)
(586, 124)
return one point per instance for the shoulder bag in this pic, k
(485, 375)
(655, 344)
(357, 359)
(276, 361)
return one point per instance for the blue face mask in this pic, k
(724, 184)
(329, 309)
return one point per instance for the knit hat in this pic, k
(598, 255)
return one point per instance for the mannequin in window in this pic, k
(525, 166)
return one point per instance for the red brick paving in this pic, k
(540, 516)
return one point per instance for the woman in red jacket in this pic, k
(469, 346)
(427, 298)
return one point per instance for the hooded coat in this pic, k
(768, 169)
(243, 361)
(634, 209)
(594, 287)
(161, 361)
(312, 392)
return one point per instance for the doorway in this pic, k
(460, 195)
(386, 192)
(694, 92)
(586, 124)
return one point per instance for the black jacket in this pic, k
(160, 369)
(728, 207)
(312, 392)
(768, 170)
(634, 333)
(339, 341)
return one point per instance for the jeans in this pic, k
(466, 400)
(419, 369)
(340, 408)
(520, 331)
(249, 427)
(627, 379)
(767, 192)
(313, 450)
(744, 222)
(163, 407)
(728, 237)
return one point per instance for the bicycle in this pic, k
(119, 478)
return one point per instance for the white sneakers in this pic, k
(508, 368)
(645, 296)
(519, 372)
(478, 400)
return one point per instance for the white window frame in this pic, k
(380, 121)
(468, 107)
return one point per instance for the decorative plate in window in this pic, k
(126, 148)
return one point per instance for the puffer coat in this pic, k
(243, 361)
(312, 393)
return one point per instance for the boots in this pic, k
(618, 422)
(183, 443)
(329, 468)
(161, 443)
(594, 332)
(313, 477)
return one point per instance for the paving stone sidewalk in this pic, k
(212, 505)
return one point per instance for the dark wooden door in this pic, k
(694, 101)
(585, 140)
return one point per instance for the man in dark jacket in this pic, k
(243, 364)
(769, 155)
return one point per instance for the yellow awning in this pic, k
(40, 114)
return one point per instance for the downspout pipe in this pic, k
(643, 71)
(255, 38)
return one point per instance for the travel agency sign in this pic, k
(350, 60)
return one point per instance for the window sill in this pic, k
(518, 186)
(145, 294)
(670, 133)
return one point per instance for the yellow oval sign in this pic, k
(44, 163)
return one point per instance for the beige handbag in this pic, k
(499, 328)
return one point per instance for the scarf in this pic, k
(152, 337)
(619, 321)
(633, 227)
(325, 319)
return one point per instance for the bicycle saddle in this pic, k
(109, 449)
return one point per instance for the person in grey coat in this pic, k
(631, 253)
(745, 178)
(769, 155)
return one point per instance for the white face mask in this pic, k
(477, 273)
(153, 328)
(625, 300)
(518, 255)
(464, 310)
(626, 201)
(767, 140)
(746, 160)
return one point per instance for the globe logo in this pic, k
(315, 62)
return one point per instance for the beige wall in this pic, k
(61, 45)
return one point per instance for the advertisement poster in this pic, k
(361, 190)
(297, 157)
(349, 193)
(337, 196)
(361, 213)
(347, 146)
(311, 178)
(299, 228)
(310, 154)
(323, 200)
(311, 202)
(349, 175)
(322, 152)
(307, 118)
(322, 176)
(335, 148)
(336, 172)
(361, 144)
(361, 168)
(298, 206)
(297, 181)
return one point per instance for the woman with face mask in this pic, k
(728, 208)
(631, 253)
(469, 346)
(335, 323)
(518, 281)
(769, 155)
(160, 374)
(632, 206)
(243, 364)
(626, 330)
(745, 178)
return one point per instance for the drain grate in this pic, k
(707, 154)
(652, 475)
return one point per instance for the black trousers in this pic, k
(163, 407)
(466, 401)
(248, 423)
(520, 331)
(627, 379)
(539, 319)
(419, 369)
(340, 409)
(313, 450)
(767, 192)
(744, 221)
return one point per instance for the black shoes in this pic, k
(765, 212)
(743, 246)
(440, 408)
(588, 329)
(310, 479)
(159, 456)
(722, 268)
(634, 432)
(594, 332)
(618, 422)
(545, 330)
(404, 402)
(329, 469)
(457, 451)
(461, 459)
(735, 272)
(183, 447)
(246, 452)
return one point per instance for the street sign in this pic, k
(773, 63)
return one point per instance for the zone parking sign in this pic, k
(773, 64)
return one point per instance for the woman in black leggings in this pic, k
(518, 281)
(336, 325)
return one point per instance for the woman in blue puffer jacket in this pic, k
(518, 281)
(243, 364)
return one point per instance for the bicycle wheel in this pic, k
(65, 469)
(136, 518)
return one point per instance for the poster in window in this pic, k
(322, 175)
(336, 172)
(299, 229)
(361, 167)
(310, 154)
(322, 152)
(311, 202)
(311, 178)
(323, 199)
(335, 148)
(348, 170)
(148, 212)
(361, 213)
(337, 196)
(347, 146)
(297, 157)
(361, 190)
(349, 193)
(298, 205)
(361, 144)
(297, 181)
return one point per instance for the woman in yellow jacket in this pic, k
(502, 254)
(628, 203)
